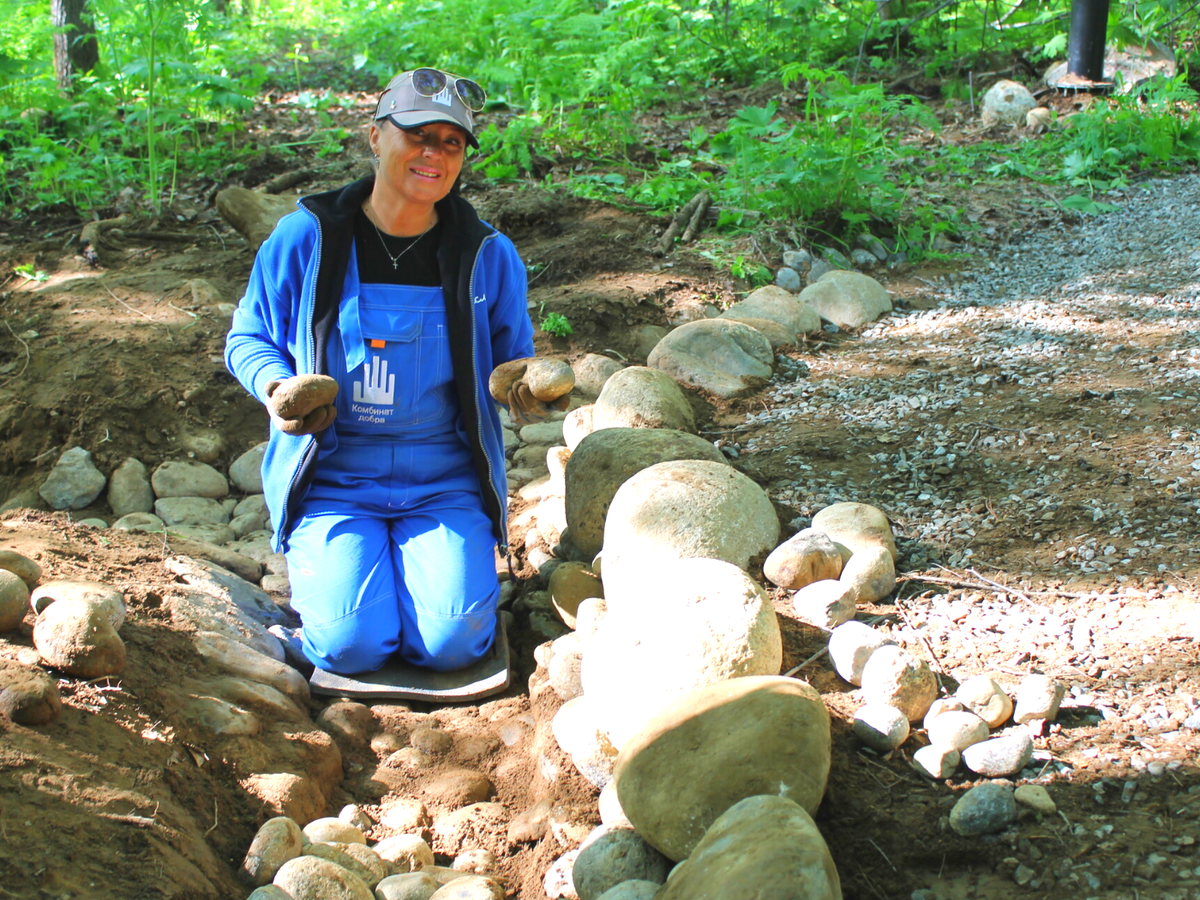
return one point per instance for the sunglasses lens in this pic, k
(428, 82)
(471, 94)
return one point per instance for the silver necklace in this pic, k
(396, 259)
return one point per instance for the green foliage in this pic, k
(30, 273)
(557, 324)
(755, 273)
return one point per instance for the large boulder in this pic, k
(685, 509)
(763, 847)
(847, 299)
(74, 482)
(856, 526)
(606, 459)
(253, 214)
(686, 624)
(777, 305)
(723, 357)
(715, 746)
(78, 637)
(640, 397)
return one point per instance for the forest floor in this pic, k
(1032, 434)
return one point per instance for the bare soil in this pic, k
(122, 798)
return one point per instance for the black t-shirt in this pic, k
(418, 266)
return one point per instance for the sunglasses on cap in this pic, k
(431, 82)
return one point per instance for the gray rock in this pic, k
(407, 852)
(409, 886)
(21, 566)
(74, 482)
(1006, 103)
(544, 434)
(246, 471)
(895, 677)
(220, 717)
(873, 245)
(847, 299)
(188, 478)
(797, 259)
(14, 600)
(592, 371)
(778, 335)
(863, 259)
(725, 358)
(777, 305)
(882, 728)
(227, 587)
(205, 444)
(612, 854)
(999, 756)
(824, 604)
(642, 397)
(765, 847)
(190, 511)
(807, 556)
(470, 887)
(313, 878)
(129, 489)
(139, 522)
(632, 890)
(254, 504)
(1038, 697)
(869, 575)
(246, 662)
(984, 809)
(645, 338)
(837, 257)
(760, 735)
(605, 460)
(855, 526)
(789, 280)
(240, 526)
(817, 270)
(269, 892)
(215, 535)
(936, 762)
(684, 509)
(851, 645)
(957, 730)
(580, 736)
(254, 214)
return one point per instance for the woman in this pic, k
(394, 288)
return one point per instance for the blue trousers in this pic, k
(393, 553)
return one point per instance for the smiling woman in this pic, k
(388, 493)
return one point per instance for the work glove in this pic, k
(532, 388)
(302, 404)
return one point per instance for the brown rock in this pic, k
(253, 213)
(21, 566)
(348, 722)
(570, 584)
(277, 840)
(14, 600)
(477, 825)
(894, 677)
(313, 878)
(458, 787)
(79, 638)
(802, 559)
(27, 696)
(296, 796)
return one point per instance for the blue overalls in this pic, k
(392, 551)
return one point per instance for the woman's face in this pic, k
(420, 164)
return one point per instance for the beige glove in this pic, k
(532, 388)
(302, 404)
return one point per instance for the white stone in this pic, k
(882, 728)
(1006, 103)
(895, 677)
(869, 575)
(1000, 756)
(805, 557)
(957, 730)
(577, 425)
(851, 645)
(847, 299)
(936, 762)
(856, 526)
(1038, 697)
(824, 604)
(642, 397)
(725, 358)
(579, 733)
(592, 371)
(983, 696)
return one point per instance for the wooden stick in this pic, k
(697, 220)
(281, 183)
(684, 214)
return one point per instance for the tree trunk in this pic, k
(75, 48)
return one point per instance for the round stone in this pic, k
(882, 728)
(957, 730)
(14, 600)
(276, 841)
(612, 854)
(999, 756)
(807, 556)
(331, 830)
(407, 852)
(408, 886)
(27, 695)
(1037, 798)
(1038, 697)
(936, 762)
(851, 645)
(313, 878)
(984, 809)
(78, 638)
(188, 478)
(21, 566)
(894, 677)
(983, 696)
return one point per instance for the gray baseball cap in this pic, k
(408, 107)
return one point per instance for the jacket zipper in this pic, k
(311, 366)
(478, 406)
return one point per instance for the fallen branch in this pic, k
(677, 223)
(697, 220)
(980, 586)
(281, 183)
(24, 346)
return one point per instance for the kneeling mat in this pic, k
(399, 680)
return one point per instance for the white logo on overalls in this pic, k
(482, 298)
(376, 375)
(443, 97)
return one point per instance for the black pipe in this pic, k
(1085, 45)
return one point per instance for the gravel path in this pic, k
(1035, 438)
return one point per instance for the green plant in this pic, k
(755, 273)
(557, 324)
(29, 273)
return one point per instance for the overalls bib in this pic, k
(392, 551)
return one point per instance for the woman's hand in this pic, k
(302, 404)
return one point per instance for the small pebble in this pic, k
(1036, 798)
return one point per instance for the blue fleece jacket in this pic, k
(289, 313)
